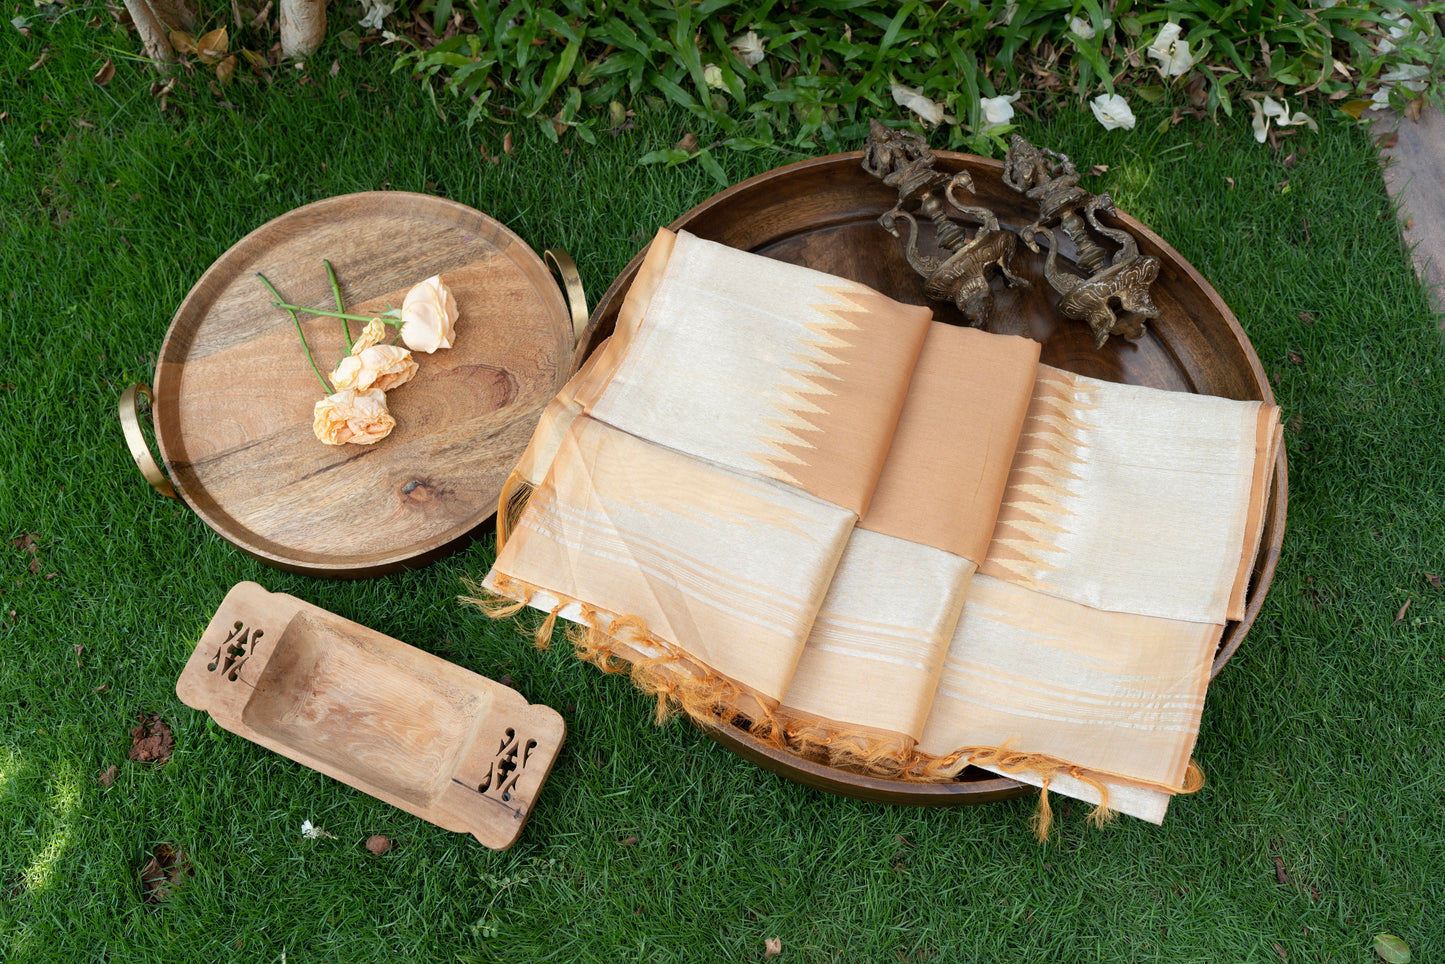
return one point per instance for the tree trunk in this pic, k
(153, 42)
(154, 20)
(303, 26)
(175, 14)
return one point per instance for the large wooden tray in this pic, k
(823, 213)
(234, 393)
(456, 749)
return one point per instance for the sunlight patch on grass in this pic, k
(62, 808)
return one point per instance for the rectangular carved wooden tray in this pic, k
(454, 748)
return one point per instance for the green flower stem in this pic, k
(335, 314)
(340, 306)
(297, 321)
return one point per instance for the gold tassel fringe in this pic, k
(680, 684)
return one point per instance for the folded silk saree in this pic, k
(898, 545)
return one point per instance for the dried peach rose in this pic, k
(428, 316)
(380, 366)
(357, 417)
(372, 334)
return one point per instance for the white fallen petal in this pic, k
(1082, 28)
(997, 111)
(1112, 111)
(375, 14)
(748, 48)
(914, 100)
(1260, 121)
(1300, 117)
(1171, 52)
(712, 75)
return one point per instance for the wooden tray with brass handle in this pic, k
(454, 748)
(234, 393)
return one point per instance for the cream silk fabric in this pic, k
(891, 537)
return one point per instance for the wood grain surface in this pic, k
(234, 393)
(454, 748)
(823, 213)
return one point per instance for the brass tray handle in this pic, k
(130, 424)
(565, 268)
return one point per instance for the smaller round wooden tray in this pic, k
(234, 393)
(823, 213)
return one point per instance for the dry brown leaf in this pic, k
(378, 844)
(1400, 616)
(627, 841)
(1098, 169)
(226, 69)
(1296, 358)
(26, 542)
(1414, 109)
(1387, 141)
(40, 61)
(1432, 579)
(1307, 317)
(183, 42)
(152, 741)
(507, 143)
(688, 143)
(335, 67)
(260, 20)
(1280, 951)
(107, 776)
(163, 873)
(211, 47)
(772, 947)
(104, 74)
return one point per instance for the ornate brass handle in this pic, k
(130, 424)
(566, 269)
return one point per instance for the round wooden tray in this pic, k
(823, 213)
(234, 393)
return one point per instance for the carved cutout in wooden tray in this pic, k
(454, 748)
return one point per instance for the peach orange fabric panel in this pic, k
(729, 567)
(768, 368)
(945, 474)
(873, 657)
(1129, 499)
(1115, 694)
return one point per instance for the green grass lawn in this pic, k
(1319, 826)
